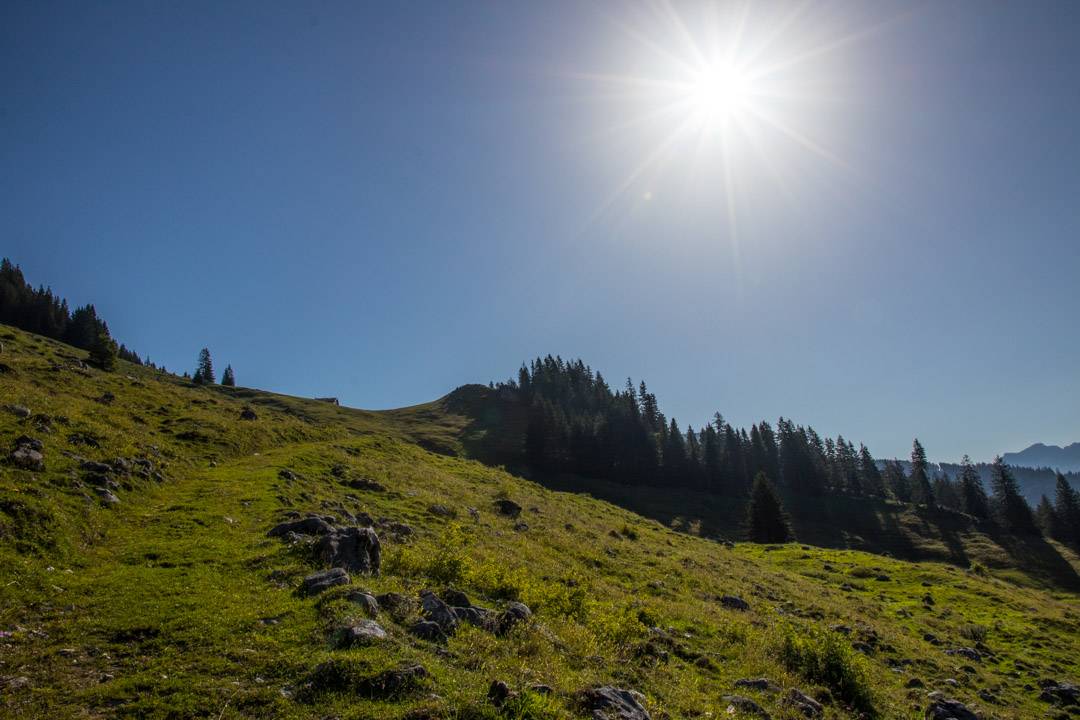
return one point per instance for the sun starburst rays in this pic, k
(725, 93)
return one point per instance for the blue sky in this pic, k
(384, 201)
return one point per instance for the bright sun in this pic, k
(720, 92)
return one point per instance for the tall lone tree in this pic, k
(103, 351)
(765, 518)
(204, 375)
(228, 379)
(921, 490)
(1012, 509)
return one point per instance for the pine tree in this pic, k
(1047, 519)
(869, 473)
(228, 379)
(1010, 505)
(765, 518)
(1067, 511)
(104, 351)
(972, 493)
(921, 491)
(204, 374)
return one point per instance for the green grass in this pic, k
(175, 604)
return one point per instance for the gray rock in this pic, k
(438, 612)
(805, 704)
(304, 526)
(969, 653)
(96, 467)
(456, 598)
(366, 601)
(1059, 693)
(507, 507)
(763, 684)
(746, 705)
(19, 411)
(106, 496)
(945, 709)
(366, 485)
(323, 580)
(29, 442)
(475, 616)
(499, 692)
(358, 634)
(441, 511)
(521, 526)
(428, 630)
(28, 459)
(514, 614)
(611, 703)
(355, 549)
(248, 414)
(734, 603)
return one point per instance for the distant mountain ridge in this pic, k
(1064, 459)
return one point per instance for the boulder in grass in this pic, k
(947, 709)
(514, 614)
(507, 507)
(358, 634)
(612, 703)
(745, 706)
(734, 603)
(323, 580)
(303, 526)
(355, 549)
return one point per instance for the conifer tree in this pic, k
(1067, 511)
(972, 493)
(1010, 505)
(869, 473)
(921, 491)
(766, 520)
(204, 374)
(104, 351)
(228, 379)
(1047, 519)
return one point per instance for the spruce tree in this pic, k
(1047, 519)
(921, 491)
(228, 379)
(972, 493)
(1067, 511)
(204, 374)
(104, 351)
(1012, 509)
(765, 518)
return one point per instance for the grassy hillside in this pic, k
(172, 602)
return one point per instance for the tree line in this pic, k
(578, 424)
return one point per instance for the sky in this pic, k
(877, 233)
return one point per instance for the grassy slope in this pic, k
(175, 604)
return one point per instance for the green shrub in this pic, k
(446, 562)
(825, 658)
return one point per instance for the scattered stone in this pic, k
(745, 705)
(367, 602)
(514, 614)
(286, 474)
(541, 689)
(28, 458)
(969, 653)
(323, 580)
(505, 506)
(107, 497)
(365, 484)
(96, 467)
(914, 683)
(441, 511)
(395, 602)
(842, 629)
(474, 514)
(428, 630)
(882, 578)
(805, 704)
(499, 693)
(438, 611)
(1059, 693)
(19, 411)
(106, 398)
(304, 526)
(358, 634)
(945, 709)
(476, 616)
(763, 684)
(354, 548)
(611, 703)
(248, 414)
(456, 597)
(521, 526)
(734, 603)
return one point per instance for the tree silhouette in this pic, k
(765, 517)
